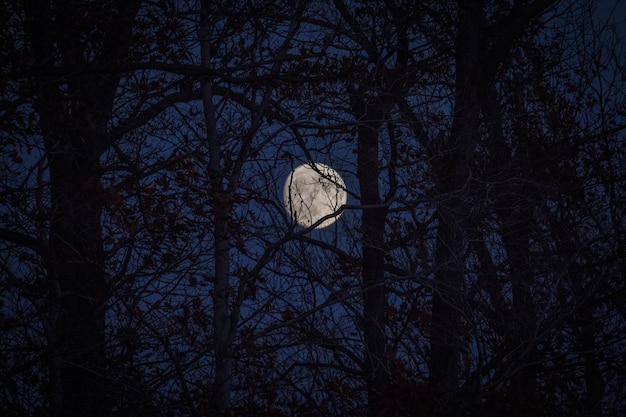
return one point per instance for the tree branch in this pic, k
(141, 119)
(24, 240)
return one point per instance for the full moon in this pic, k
(312, 193)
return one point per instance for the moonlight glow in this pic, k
(312, 193)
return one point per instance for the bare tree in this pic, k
(73, 107)
(148, 263)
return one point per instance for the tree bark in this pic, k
(452, 169)
(221, 217)
(74, 113)
(374, 290)
(515, 211)
(75, 241)
(73, 144)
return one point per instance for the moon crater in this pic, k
(311, 193)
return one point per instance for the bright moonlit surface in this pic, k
(309, 196)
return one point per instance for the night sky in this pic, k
(150, 264)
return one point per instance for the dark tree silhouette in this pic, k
(72, 56)
(148, 264)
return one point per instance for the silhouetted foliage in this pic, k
(148, 264)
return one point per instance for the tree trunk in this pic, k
(75, 83)
(515, 209)
(594, 382)
(73, 141)
(75, 242)
(221, 217)
(374, 290)
(73, 144)
(452, 169)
